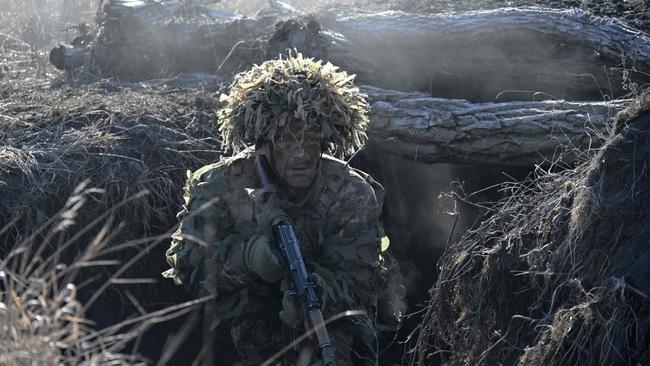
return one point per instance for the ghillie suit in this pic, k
(265, 100)
(559, 274)
(336, 219)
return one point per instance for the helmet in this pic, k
(265, 100)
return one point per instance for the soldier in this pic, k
(294, 111)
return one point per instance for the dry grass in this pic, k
(557, 274)
(42, 320)
(338, 108)
(30, 28)
(58, 131)
(124, 139)
(513, 290)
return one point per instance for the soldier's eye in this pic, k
(287, 145)
(311, 141)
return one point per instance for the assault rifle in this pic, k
(300, 284)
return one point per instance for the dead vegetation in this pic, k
(123, 139)
(557, 274)
(42, 319)
(29, 29)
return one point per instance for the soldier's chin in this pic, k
(301, 180)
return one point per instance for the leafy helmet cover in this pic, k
(263, 101)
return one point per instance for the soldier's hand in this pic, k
(327, 358)
(271, 214)
(260, 257)
(292, 313)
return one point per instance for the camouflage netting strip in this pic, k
(268, 98)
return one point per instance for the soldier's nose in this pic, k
(300, 152)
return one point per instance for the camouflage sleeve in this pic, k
(351, 248)
(203, 255)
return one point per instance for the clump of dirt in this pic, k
(558, 275)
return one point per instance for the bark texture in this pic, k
(435, 130)
(140, 41)
(509, 53)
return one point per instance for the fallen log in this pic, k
(509, 54)
(434, 130)
(140, 40)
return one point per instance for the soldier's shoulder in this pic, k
(351, 181)
(223, 174)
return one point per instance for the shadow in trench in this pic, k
(416, 220)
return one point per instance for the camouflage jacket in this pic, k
(337, 224)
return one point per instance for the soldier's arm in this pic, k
(205, 253)
(352, 247)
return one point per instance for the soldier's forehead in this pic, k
(299, 132)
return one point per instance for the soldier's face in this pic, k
(296, 157)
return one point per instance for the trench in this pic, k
(417, 218)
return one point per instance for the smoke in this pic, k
(420, 229)
(414, 215)
(249, 8)
(30, 28)
(420, 219)
(40, 23)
